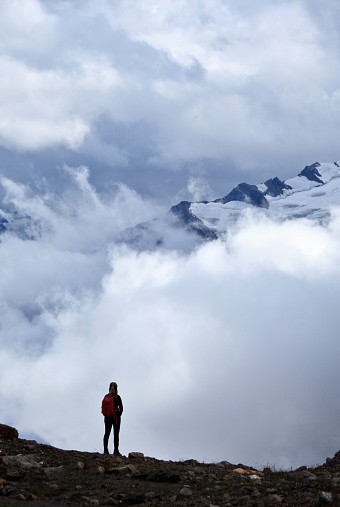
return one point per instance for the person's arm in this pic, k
(120, 405)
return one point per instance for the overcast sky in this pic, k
(109, 113)
(153, 93)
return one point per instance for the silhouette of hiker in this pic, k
(112, 409)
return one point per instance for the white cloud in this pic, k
(269, 74)
(227, 82)
(26, 27)
(229, 349)
(228, 352)
(46, 107)
(197, 189)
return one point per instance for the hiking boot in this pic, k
(116, 452)
(106, 451)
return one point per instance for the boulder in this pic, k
(124, 469)
(136, 455)
(26, 462)
(333, 462)
(163, 475)
(8, 432)
(133, 499)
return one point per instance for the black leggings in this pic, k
(116, 427)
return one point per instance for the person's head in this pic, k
(113, 388)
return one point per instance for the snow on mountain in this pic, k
(310, 195)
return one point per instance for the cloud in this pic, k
(221, 351)
(233, 87)
(197, 189)
(252, 95)
(42, 107)
(226, 352)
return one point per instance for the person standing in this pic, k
(112, 409)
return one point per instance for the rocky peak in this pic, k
(276, 187)
(311, 173)
(246, 193)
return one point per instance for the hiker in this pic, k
(112, 409)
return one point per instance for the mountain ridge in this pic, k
(311, 195)
(279, 200)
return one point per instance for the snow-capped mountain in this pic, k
(310, 195)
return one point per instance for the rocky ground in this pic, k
(42, 475)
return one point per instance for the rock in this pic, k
(125, 469)
(254, 477)
(12, 491)
(31, 447)
(244, 500)
(109, 501)
(324, 498)
(163, 475)
(191, 462)
(31, 497)
(80, 465)
(185, 492)
(134, 455)
(15, 475)
(309, 480)
(150, 495)
(133, 499)
(27, 461)
(20, 496)
(51, 471)
(226, 497)
(333, 462)
(272, 500)
(8, 432)
(335, 481)
(100, 470)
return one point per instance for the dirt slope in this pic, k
(38, 475)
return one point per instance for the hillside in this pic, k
(42, 475)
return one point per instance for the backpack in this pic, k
(108, 407)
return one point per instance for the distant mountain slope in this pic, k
(311, 195)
